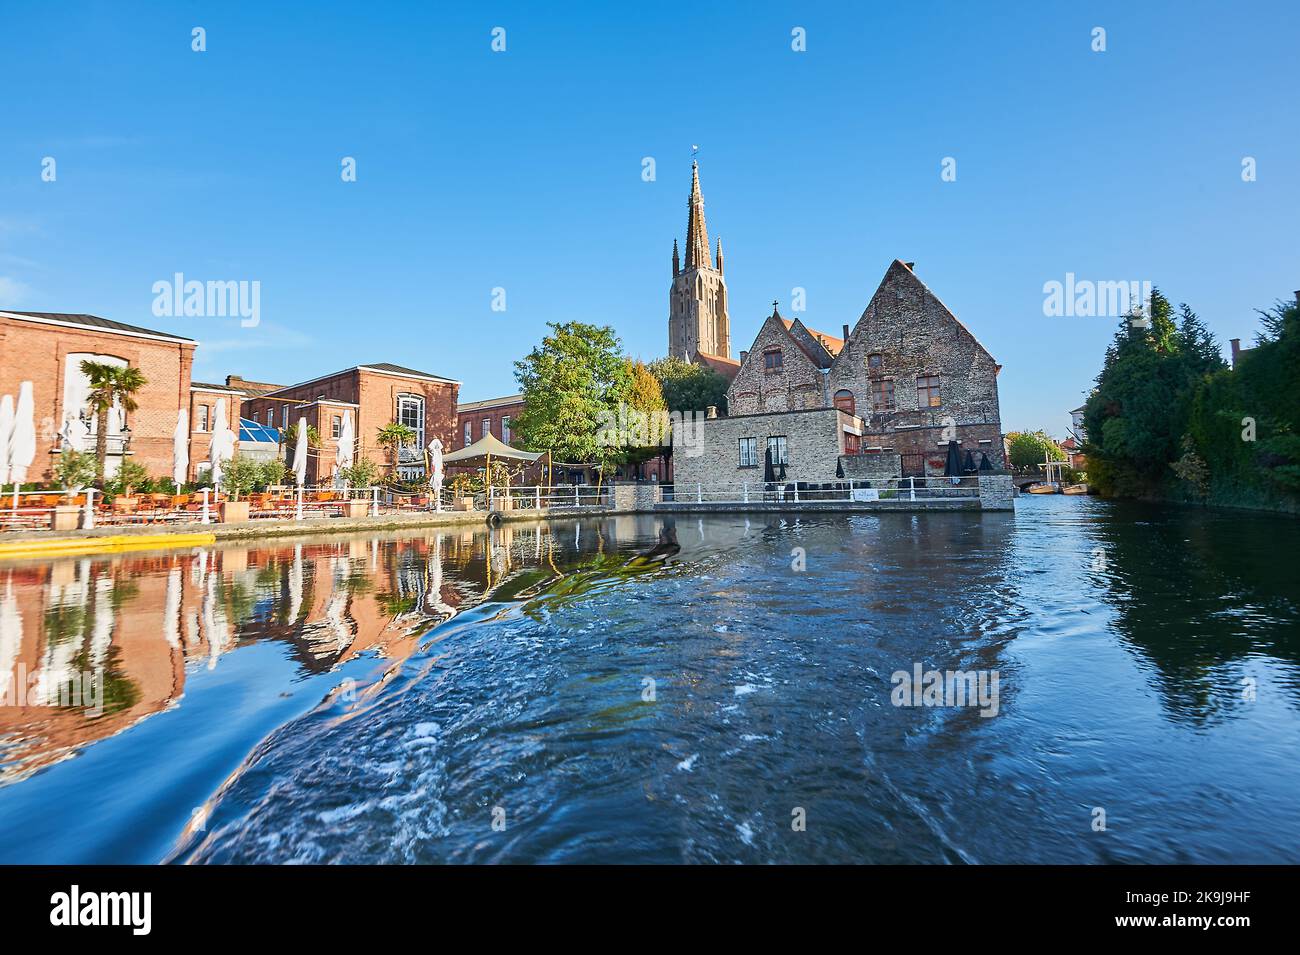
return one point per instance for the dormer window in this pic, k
(772, 360)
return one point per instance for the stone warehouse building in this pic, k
(882, 401)
(377, 394)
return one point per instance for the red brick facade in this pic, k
(377, 395)
(41, 347)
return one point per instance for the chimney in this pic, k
(711, 411)
(742, 356)
(846, 333)
(1297, 297)
(911, 266)
(1236, 349)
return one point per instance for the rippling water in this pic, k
(466, 697)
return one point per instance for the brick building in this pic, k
(47, 348)
(905, 380)
(377, 394)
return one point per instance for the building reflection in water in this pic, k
(139, 625)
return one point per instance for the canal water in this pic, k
(667, 689)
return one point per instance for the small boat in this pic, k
(1075, 489)
(1044, 489)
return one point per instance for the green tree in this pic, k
(240, 475)
(130, 475)
(271, 472)
(690, 387)
(1031, 448)
(363, 472)
(74, 470)
(394, 437)
(109, 385)
(572, 383)
(647, 415)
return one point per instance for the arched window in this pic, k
(844, 401)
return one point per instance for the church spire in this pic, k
(719, 264)
(697, 233)
(677, 259)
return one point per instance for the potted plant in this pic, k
(129, 476)
(239, 476)
(74, 471)
(362, 473)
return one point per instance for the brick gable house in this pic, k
(882, 401)
(910, 369)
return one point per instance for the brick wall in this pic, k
(374, 396)
(814, 441)
(36, 352)
(798, 384)
(201, 441)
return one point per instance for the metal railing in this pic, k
(808, 492)
(36, 510)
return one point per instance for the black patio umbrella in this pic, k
(985, 463)
(839, 469)
(969, 467)
(769, 474)
(781, 476)
(952, 467)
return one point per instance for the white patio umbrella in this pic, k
(222, 448)
(6, 431)
(300, 461)
(181, 448)
(347, 441)
(22, 440)
(435, 472)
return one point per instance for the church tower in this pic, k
(697, 302)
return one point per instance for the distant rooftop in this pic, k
(95, 322)
(486, 403)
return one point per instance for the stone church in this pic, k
(880, 401)
(699, 329)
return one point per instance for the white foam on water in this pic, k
(688, 764)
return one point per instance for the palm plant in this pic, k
(394, 436)
(109, 385)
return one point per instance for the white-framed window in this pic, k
(469, 433)
(776, 444)
(336, 426)
(270, 417)
(204, 422)
(487, 427)
(505, 428)
(410, 412)
(749, 452)
(284, 418)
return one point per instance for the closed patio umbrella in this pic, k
(969, 466)
(181, 448)
(300, 453)
(952, 466)
(222, 448)
(769, 473)
(22, 440)
(6, 432)
(300, 461)
(347, 440)
(985, 463)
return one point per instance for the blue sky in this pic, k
(522, 170)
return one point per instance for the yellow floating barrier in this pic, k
(66, 546)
